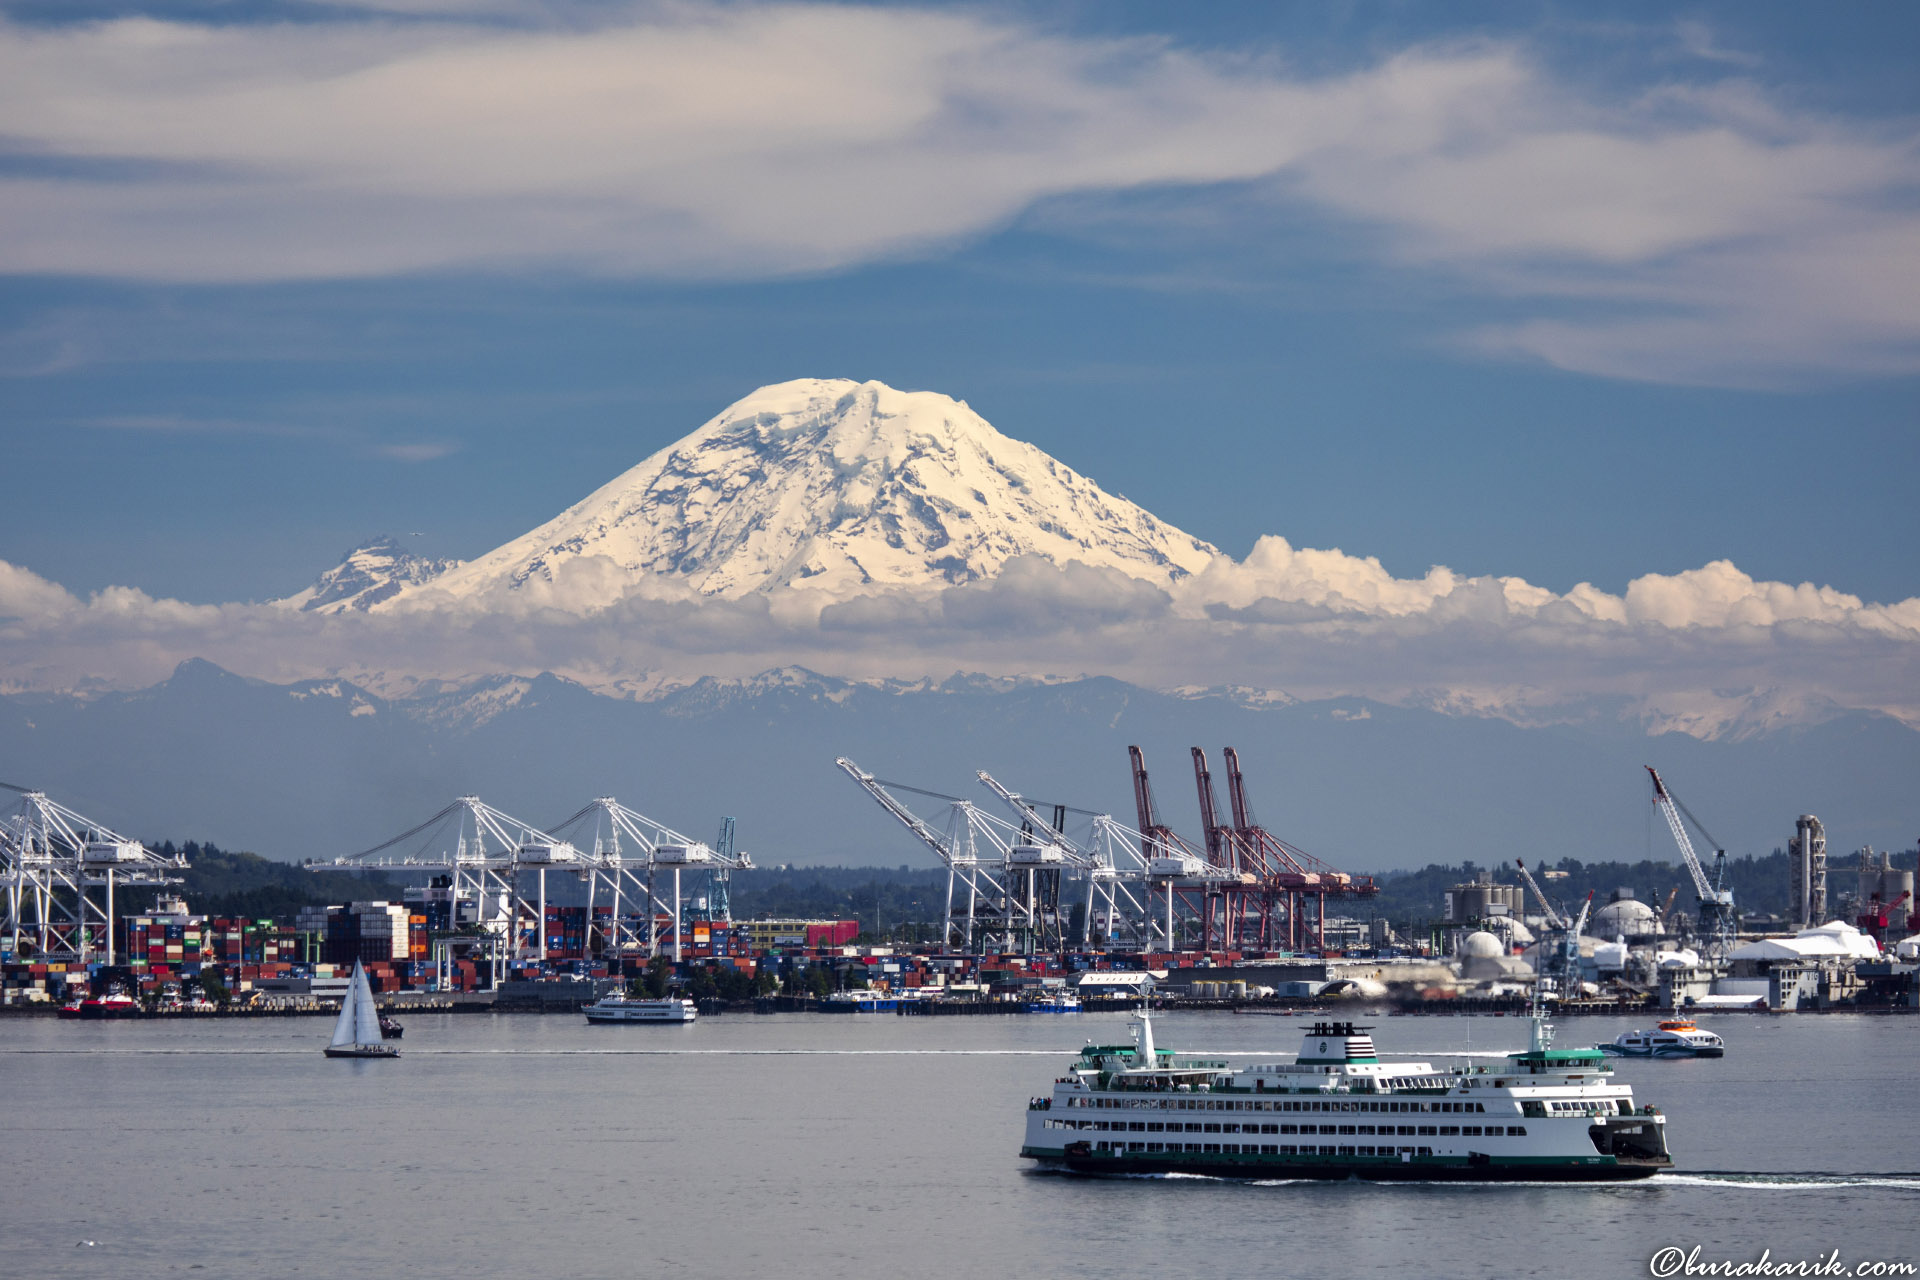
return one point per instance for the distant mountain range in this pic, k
(322, 768)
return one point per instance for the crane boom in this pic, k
(1554, 918)
(1664, 801)
(908, 819)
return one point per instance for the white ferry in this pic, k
(1337, 1111)
(621, 1009)
(1676, 1039)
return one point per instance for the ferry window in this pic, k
(1193, 1127)
(1346, 1151)
(1327, 1128)
(1516, 1131)
(1366, 1128)
(1136, 1127)
(1230, 1128)
(1135, 1146)
(1470, 1131)
(1193, 1146)
(1287, 1149)
(1213, 1128)
(1426, 1151)
(1269, 1128)
(1105, 1146)
(1347, 1128)
(1213, 1148)
(1231, 1148)
(1326, 1151)
(1269, 1149)
(1531, 1107)
(1427, 1131)
(1155, 1128)
(1406, 1131)
(1449, 1130)
(1480, 1107)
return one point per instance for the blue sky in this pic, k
(1564, 293)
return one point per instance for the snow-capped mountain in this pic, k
(841, 487)
(372, 572)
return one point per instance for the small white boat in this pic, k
(356, 1034)
(1056, 1002)
(1676, 1039)
(621, 1009)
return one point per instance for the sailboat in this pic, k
(357, 1032)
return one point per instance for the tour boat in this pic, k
(620, 1009)
(1676, 1039)
(1337, 1111)
(356, 1033)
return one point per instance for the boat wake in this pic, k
(1787, 1181)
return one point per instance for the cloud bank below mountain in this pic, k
(1710, 651)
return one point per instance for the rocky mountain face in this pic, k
(370, 574)
(839, 487)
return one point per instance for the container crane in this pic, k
(50, 857)
(1285, 875)
(1719, 924)
(1111, 865)
(992, 915)
(1182, 871)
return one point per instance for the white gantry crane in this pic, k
(481, 851)
(50, 858)
(1116, 861)
(1010, 876)
(1719, 925)
(626, 843)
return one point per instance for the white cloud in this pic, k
(1702, 232)
(1707, 651)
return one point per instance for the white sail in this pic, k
(366, 1019)
(343, 1026)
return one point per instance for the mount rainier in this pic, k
(830, 485)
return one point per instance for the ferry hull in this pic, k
(1603, 1169)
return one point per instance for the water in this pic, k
(807, 1146)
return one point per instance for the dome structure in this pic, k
(1624, 918)
(1481, 946)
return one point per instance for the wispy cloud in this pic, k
(1702, 233)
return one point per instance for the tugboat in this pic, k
(390, 1029)
(357, 1032)
(1676, 1039)
(114, 1004)
(1338, 1112)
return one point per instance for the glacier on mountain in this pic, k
(835, 486)
(373, 572)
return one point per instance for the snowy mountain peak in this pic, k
(842, 487)
(373, 572)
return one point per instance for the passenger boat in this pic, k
(1338, 1112)
(621, 1009)
(1676, 1039)
(356, 1033)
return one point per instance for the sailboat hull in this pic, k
(361, 1051)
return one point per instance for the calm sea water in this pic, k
(807, 1146)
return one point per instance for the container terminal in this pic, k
(1048, 908)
